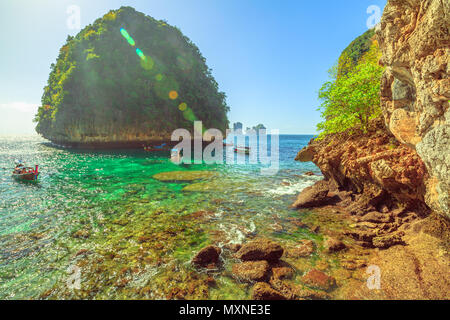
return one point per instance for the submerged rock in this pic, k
(81, 234)
(216, 185)
(318, 279)
(261, 249)
(282, 270)
(304, 293)
(233, 247)
(304, 249)
(291, 291)
(184, 175)
(263, 291)
(206, 256)
(334, 245)
(251, 270)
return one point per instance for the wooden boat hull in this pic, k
(154, 150)
(26, 176)
(242, 151)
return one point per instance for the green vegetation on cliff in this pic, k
(128, 75)
(352, 96)
(355, 51)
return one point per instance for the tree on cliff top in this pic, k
(351, 99)
(128, 70)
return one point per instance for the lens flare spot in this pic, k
(188, 114)
(165, 86)
(182, 106)
(147, 63)
(127, 37)
(140, 53)
(173, 95)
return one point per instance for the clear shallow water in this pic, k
(139, 233)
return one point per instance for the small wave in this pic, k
(233, 233)
(294, 187)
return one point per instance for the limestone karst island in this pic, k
(225, 150)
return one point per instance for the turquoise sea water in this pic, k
(136, 234)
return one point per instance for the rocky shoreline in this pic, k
(378, 181)
(373, 199)
(259, 263)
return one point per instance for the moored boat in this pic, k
(26, 173)
(243, 150)
(163, 147)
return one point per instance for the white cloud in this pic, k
(17, 118)
(19, 106)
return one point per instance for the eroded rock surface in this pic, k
(318, 279)
(313, 196)
(260, 249)
(414, 37)
(373, 177)
(334, 245)
(251, 270)
(263, 291)
(206, 256)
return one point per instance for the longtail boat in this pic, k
(163, 147)
(244, 150)
(26, 173)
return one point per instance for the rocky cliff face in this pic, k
(392, 184)
(397, 172)
(376, 179)
(414, 36)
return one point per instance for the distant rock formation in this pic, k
(237, 126)
(414, 37)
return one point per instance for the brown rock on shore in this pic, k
(206, 256)
(263, 291)
(304, 249)
(305, 155)
(233, 247)
(297, 292)
(251, 270)
(313, 196)
(334, 245)
(261, 249)
(282, 270)
(318, 279)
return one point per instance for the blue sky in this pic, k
(269, 56)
